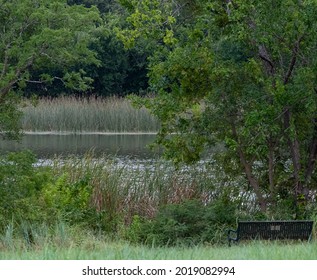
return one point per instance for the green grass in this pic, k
(72, 243)
(87, 115)
(92, 248)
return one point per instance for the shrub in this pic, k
(30, 194)
(188, 223)
(69, 202)
(20, 184)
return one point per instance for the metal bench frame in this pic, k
(271, 230)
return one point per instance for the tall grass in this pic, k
(87, 115)
(128, 188)
(67, 243)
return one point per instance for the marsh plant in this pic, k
(90, 114)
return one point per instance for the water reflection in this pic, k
(46, 146)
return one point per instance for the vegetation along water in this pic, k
(235, 74)
(93, 114)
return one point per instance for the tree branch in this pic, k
(271, 147)
(5, 90)
(293, 60)
(263, 54)
(311, 164)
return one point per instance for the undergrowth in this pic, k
(153, 203)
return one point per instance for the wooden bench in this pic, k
(271, 230)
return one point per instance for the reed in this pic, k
(128, 188)
(92, 114)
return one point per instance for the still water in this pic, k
(47, 146)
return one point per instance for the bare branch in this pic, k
(34, 82)
(228, 9)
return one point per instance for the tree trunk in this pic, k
(295, 154)
(271, 164)
(312, 156)
(253, 181)
(249, 174)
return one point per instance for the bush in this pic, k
(69, 202)
(188, 223)
(32, 194)
(20, 184)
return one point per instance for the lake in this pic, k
(48, 145)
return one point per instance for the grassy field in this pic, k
(94, 249)
(87, 115)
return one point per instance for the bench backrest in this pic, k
(298, 230)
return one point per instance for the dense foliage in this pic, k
(155, 205)
(241, 73)
(48, 37)
(119, 71)
(187, 223)
(34, 196)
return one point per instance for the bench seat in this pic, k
(271, 230)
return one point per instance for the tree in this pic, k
(237, 72)
(42, 34)
(119, 72)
